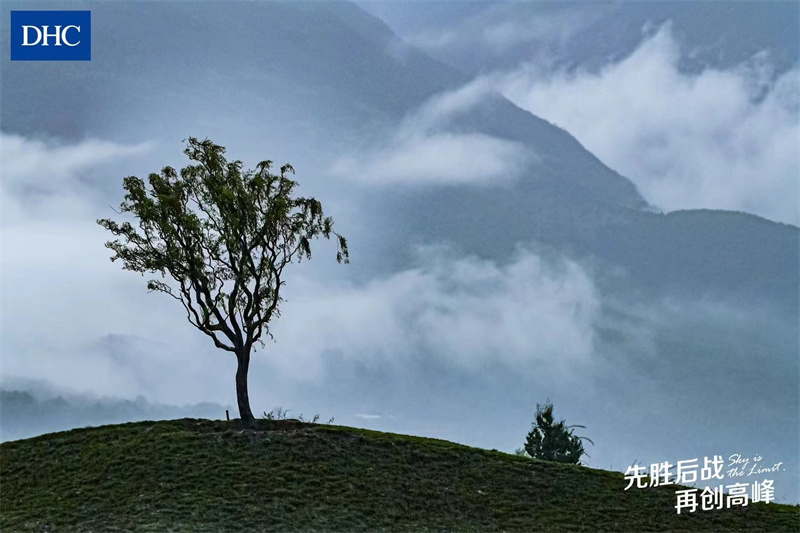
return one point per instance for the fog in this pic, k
(419, 334)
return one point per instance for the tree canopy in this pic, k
(220, 237)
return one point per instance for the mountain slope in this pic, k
(257, 67)
(587, 35)
(201, 475)
(719, 254)
(328, 76)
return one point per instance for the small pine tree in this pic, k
(551, 441)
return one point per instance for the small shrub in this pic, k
(279, 413)
(553, 441)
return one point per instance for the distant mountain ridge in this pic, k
(24, 414)
(716, 34)
(330, 72)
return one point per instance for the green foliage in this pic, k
(553, 441)
(224, 236)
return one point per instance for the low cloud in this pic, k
(467, 312)
(498, 30)
(423, 151)
(70, 313)
(437, 159)
(720, 139)
(368, 417)
(47, 179)
(66, 308)
(47, 163)
(83, 316)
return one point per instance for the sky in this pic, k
(448, 343)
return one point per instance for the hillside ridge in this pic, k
(287, 475)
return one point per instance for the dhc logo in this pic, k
(51, 36)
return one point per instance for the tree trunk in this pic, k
(243, 399)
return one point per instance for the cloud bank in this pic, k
(423, 152)
(501, 29)
(44, 179)
(471, 313)
(70, 313)
(720, 139)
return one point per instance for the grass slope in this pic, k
(201, 475)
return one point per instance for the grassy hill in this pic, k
(201, 475)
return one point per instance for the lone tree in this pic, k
(224, 236)
(553, 441)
